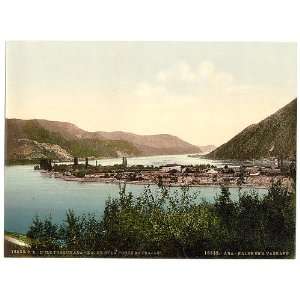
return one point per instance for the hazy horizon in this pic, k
(158, 133)
(204, 93)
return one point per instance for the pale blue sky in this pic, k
(202, 92)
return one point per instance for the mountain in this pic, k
(207, 148)
(152, 144)
(145, 144)
(65, 129)
(33, 139)
(274, 136)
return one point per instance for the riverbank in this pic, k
(174, 180)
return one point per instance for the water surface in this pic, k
(28, 193)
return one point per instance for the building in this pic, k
(212, 172)
(124, 162)
(75, 161)
(46, 164)
(171, 167)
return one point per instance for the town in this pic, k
(171, 174)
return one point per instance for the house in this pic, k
(254, 174)
(236, 169)
(212, 172)
(171, 167)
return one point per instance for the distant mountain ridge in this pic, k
(29, 139)
(207, 148)
(275, 136)
(152, 144)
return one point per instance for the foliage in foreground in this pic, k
(174, 224)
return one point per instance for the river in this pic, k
(29, 193)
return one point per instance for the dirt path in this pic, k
(15, 241)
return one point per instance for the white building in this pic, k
(170, 167)
(212, 172)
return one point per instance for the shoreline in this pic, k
(144, 183)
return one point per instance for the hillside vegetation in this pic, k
(153, 144)
(28, 140)
(275, 136)
(24, 139)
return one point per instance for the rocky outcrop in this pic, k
(26, 149)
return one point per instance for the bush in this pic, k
(43, 234)
(173, 223)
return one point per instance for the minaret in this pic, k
(124, 162)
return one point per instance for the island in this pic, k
(234, 174)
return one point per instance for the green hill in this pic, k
(28, 140)
(274, 136)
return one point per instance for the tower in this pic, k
(46, 164)
(124, 162)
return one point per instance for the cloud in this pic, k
(206, 70)
(203, 76)
(186, 84)
(179, 72)
(201, 103)
(183, 84)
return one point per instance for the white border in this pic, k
(147, 20)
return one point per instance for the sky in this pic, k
(203, 92)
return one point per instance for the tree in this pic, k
(241, 179)
(250, 227)
(174, 223)
(43, 234)
(279, 219)
(226, 211)
(71, 231)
